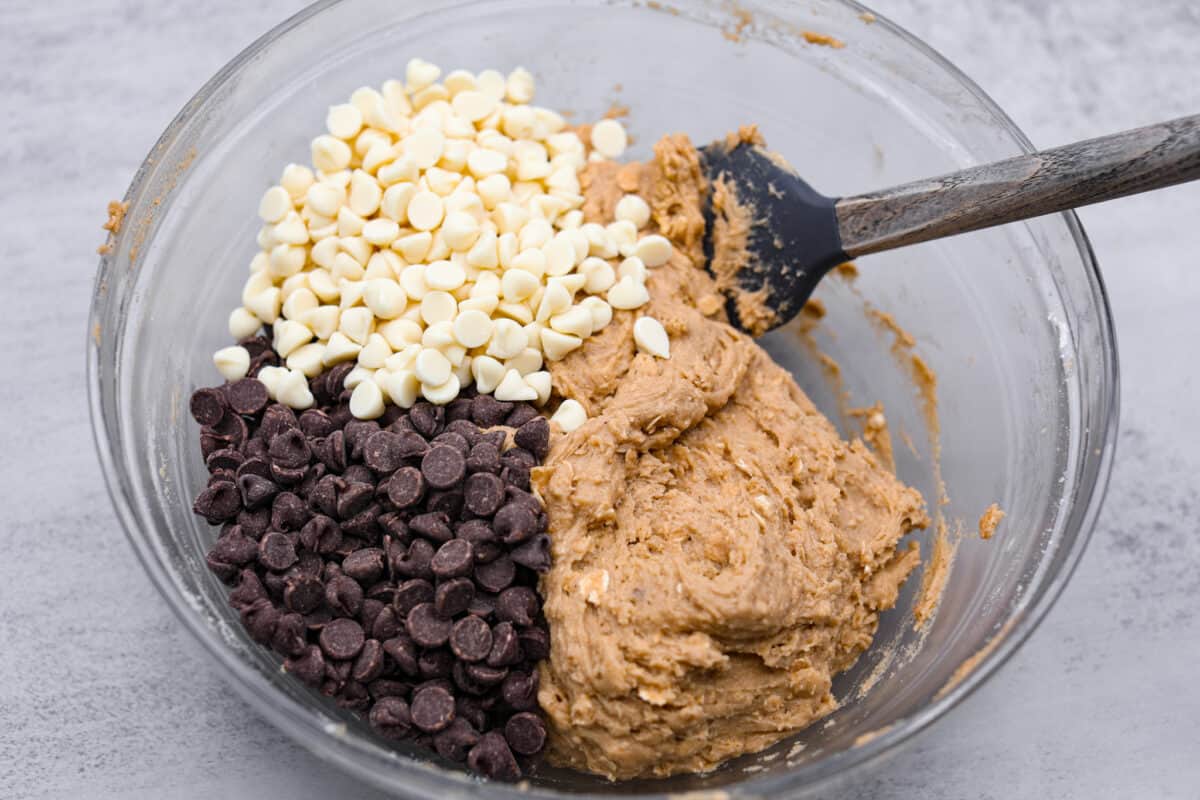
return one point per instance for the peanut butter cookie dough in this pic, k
(719, 552)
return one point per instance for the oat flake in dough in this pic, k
(720, 553)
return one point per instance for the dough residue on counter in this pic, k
(720, 553)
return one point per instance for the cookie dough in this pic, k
(719, 552)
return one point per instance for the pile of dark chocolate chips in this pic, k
(393, 563)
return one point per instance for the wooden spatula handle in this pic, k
(1022, 187)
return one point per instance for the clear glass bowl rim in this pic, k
(1097, 453)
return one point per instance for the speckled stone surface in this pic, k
(1101, 702)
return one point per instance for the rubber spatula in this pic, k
(798, 235)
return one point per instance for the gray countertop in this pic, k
(1101, 702)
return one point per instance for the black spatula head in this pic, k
(770, 238)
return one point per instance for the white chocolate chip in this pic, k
(438, 306)
(633, 267)
(290, 335)
(424, 147)
(291, 389)
(381, 232)
(356, 376)
(487, 372)
(599, 275)
(570, 415)
(356, 323)
(628, 294)
(296, 179)
(375, 352)
(330, 154)
(414, 247)
(243, 323)
(275, 204)
(540, 382)
(232, 362)
(514, 389)
(425, 210)
(322, 320)
(508, 339)
(609, 138)
(366, 401)
(308, 359)
(269, 377)
(654, 250)
(633, 208)
(442, 393)
(298, 302)
(472, 328)
(340, 348)
(557, 345)
(651, 337)
(445, 276)
(431, 367)
(576, 321)
(403, 388)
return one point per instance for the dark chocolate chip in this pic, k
(514, 523)
(534, 553)
(365, 566)
(449, 503)
(256, 490)
(483, 605)
(403, 652)
(484, 457)
(534, 436)
(249, 590)
(391, 718)
(227, 459)
(288, 512)
(435, 663)
(453, 559)
(415, 563)
(488, 412)
(466, 429)
(321, 534)
(456, 741)
(519, 690)
(289, 449)
(254, 523)
(316, 424)
(492, 758)
(428, 628)
(458, 409)
(354, 498)
(357, 432)
(485, 675)
(483, 494)
(471, 710)
(369, 613)
(387, 624)
(308, 667)
(506, 647)
(518, 605)
(525, 733)
(427, 419)
(254, 465)
(303, 594)
(497, 439)
(331, 451)
(443, 466)
(342, 639)
(406, 487)
(454, 596)
(289, 639)
(219, 501)
(521, 414)
(435, 526)
(369, 664)
(535, 642)
(388, 687)
(344, 596)
(276, 551)
(260, 620)
(277, 419)
(410, 594)
(452, 439)
(471, 639)
(432, 709)
(287, 476)
(383, 452)
(497, 575)
(208, 406)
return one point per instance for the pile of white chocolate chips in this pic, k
(439, 241)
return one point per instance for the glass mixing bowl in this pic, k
(1014, 322)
